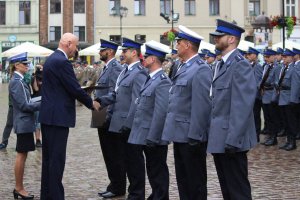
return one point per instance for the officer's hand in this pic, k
(229, 149)
(150, 143)
(193, 142)
(125, 129)
(96, 105)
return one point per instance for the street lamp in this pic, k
(121, 12)
(174, 18)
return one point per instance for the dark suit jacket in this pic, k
(60, 90)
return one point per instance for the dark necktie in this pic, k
(282, 75)
(148, 78)
(125, 71)
(221, 64)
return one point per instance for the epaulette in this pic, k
(163, 76)
(239, 57)
(140, 67)
(200, 61)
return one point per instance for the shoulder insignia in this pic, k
(140, 67)
(239, 57)
(200, 61)
(163, 76)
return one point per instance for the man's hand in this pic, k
(193, 142)
(150, 143)
(229, 149)
(125, 129)
(96, 105)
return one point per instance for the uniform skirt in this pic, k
(25, 142)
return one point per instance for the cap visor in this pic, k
(217, 34)
(102, 48)
(123, 48)
(26, 62)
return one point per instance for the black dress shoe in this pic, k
(110, 195)
(271, 141)
(297, 136)
(284, 146)
(3, 146)
(38, 144)
(101, 193)
(17, 195)
(290, 147)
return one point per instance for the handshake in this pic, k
(96, 105)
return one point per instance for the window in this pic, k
(79, 6)
(55, 6)
(165, 7)
(140, 38)
(139, 7)
(116, 4)
(214, 6)
(2, 12)
(290, 7)
(55, 33)
(115, 38)
(79, 31)
(254, 7)
(189, 7)
(24, 12)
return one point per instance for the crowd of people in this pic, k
(208, 102)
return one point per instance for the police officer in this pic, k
(127, 89)
(145, 136)
(287, 80)
(109, 142)
(175, 63)
(269, 94)
(210, 59)
(187, 120)
(295, 91)
(252, 56)
(232, 129)
(281, 121)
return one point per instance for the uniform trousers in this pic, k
(191, 172)
(272, 113)
(53, 161)
(296, 110)
(8, 126)
(157, 171)
(290, 117)
(232, 170)
(257, 115)
(113, 151)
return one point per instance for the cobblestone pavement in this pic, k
(273, 173)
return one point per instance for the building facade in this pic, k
(61, 16)
(145, 22)
(19, 22)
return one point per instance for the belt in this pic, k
(285, 88)
(268, 87)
